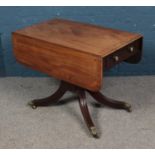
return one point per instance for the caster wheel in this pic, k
(128, 107)
(94, 132)
(33, 106)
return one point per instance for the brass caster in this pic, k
(33, 106)
(128, 107)
(94, 132)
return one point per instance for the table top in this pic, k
(74, 52)
(83, 37)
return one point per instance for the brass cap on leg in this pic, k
(128, 107)
(33, 106)
(94, 132)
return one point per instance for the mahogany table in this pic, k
(77, 54)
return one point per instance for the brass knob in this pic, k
(116, 58)
(131, 49)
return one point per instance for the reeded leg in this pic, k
(86, 114)
(51, 99)
(110, 102)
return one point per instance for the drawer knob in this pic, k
(116, 58)
(131, 49)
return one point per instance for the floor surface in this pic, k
(62, 126)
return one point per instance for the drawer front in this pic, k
(123, 54)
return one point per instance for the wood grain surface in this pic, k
(68, 50)
(76, 67)
(84, 37)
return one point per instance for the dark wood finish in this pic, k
(80, 92)
(125, 54)
(137, 56)
(77, 54)
(110, 102)
(85, 113)
(53, 99)
(71, 51)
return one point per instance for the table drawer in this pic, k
(123, 54)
